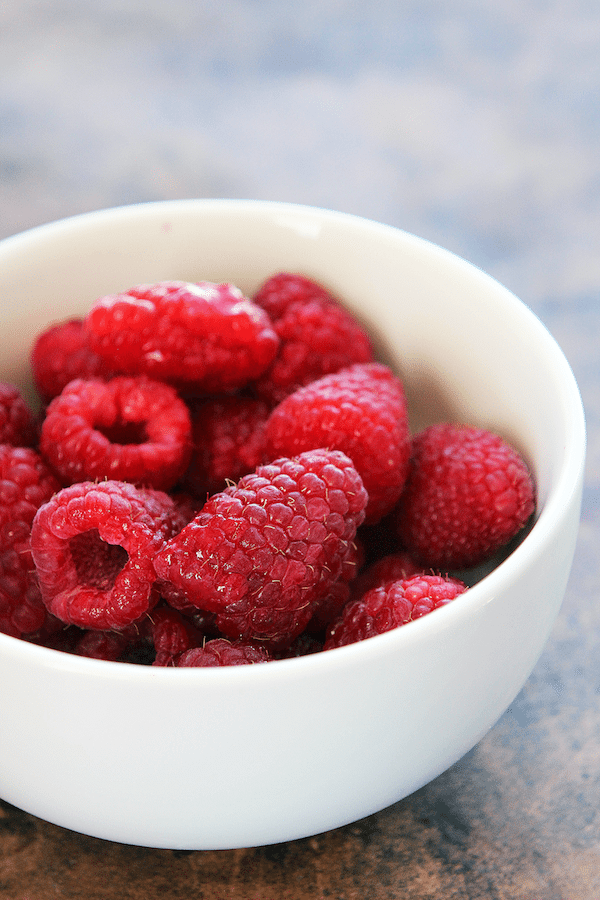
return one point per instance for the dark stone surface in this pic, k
(476, 125)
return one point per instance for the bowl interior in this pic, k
(465, 348)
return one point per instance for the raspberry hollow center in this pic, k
(124, 433)
(97, 562)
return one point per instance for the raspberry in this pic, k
(109, 645)
(392, 567)
(281, 291)
(93, 546)
(384, 608)
(17, 423)
(126, 429)
(221, 652)
(262, 553)
(467, 495)
(317, 335)
(26, 483)
(204, 335)
(228, 435)
(172, 634)
(338, 594)
(361, 411)
(61, 354)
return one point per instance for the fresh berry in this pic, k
(467, 495)
(221, 652)
(61, 354)
(281, 291)
(17, 423)
(318, 335)
(108, 645)
(330, 606)
(392, 567)
(262, 553)
(93, 545)
(228, 436)
(206, 336)
(383, 608)
(361, 411)
(172, 634)
(26, 483)
(125, 429)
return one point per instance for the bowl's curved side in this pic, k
(203, 760)
(228, 758)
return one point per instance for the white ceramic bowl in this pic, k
(213, 759)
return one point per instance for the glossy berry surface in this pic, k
(60, 354)
(17, 423)
(263, 552)
(93, 546)
(129, 429)
(228, 438)
(361, 411)
(26, 483)
(205, 336)
(221, 652)
(467, 495)
(394, 604)
(317, 335)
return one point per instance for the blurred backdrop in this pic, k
(474, 124)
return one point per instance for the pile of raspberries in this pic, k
(218, 480)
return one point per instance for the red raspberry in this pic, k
(328, 609)
(26, 483)
(467, 495)
(125, 429)
(392, 605)
(281, 291)
(61, 354)
(392, 567)
(318, 335)
(109, 645)
(221, 652)
(263, 552)
(172, 634)
(228, 435)
(17, 423)
(360, 411)
(204, 335)
(93, 546)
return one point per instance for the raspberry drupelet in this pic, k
(390, 567)
(264, 552)
(228, 436)
(361, 411)
(61, 354)
(17, 422)
(468, 494)
(221, 652)
(172, 634)
(318, 335)
(394, 604)
(125, 429)
(207, 337)
(26, 483)
(93, 546)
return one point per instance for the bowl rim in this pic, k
(564, 492)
